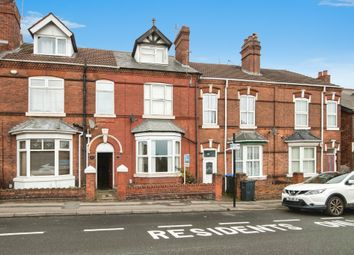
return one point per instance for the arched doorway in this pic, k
(104, 166)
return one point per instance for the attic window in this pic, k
(51, 46)
(154, 55)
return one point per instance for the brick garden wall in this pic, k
(170, 191)
(70, 193)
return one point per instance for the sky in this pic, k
(304, 36)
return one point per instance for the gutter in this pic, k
(272, 82)
(322, 124)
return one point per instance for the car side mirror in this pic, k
(350, 182)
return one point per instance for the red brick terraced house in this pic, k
(135, 109)
(64, 108)
(285, 122)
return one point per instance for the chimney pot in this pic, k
(324, 76)
(250, 55)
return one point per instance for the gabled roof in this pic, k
(302, 136)
(43, 125)
(267, 75)
(248, 137)
(153, 36)
(51, 18)
(152, 125)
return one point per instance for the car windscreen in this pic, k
(337, 179)
(322, 178)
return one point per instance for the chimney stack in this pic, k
(182, 45)
(251, 55)
(10, 26)
(324, 76)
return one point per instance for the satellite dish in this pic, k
(92, 124)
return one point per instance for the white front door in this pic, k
(209, 165)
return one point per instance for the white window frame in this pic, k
(210, 124)
(102, 90)
(334, 127)
(164, 61)
(243, 161)
(302, 158)
(46, 82)
(307, 101)
(149, 114)
(248, 111)
(56, 53)
(56, 180)
(149, 137)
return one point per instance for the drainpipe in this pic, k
(196, 129)
(84, 111)
(79, 158)
(322, 113)
(225, 131)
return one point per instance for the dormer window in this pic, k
(52, 37)
(152, 47)
(51, 45)
(155, 55)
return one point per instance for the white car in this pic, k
(331, 192)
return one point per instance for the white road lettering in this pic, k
(335, 223)
(221, 231)
(156, 234)
(22, 233)
(244, 230)
(178, 233)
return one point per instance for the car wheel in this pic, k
(293, 209)
(335, 206)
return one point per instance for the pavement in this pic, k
(66, 208)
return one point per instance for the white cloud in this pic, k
(337, 3)
(32, 17)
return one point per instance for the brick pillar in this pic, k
(122, 182)
(298, 177)
(239, 177)
(217, 180)
(90, 183)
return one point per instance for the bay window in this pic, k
(331, 114)
(46, 95)
(302, 159)
(247, 111)
(158, 154)
(249, 160)
(210, 110)
(158, 100)
(301, 113)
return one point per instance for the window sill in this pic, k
(248, 127)
(210, 126)
(97, 115)
(147, 116)
(157, 175)
(257, 178)
(333, 129)
(45, 114)
(63, 181)
(302, 128)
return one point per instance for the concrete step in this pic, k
(106, 195)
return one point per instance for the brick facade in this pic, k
(274, 91)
